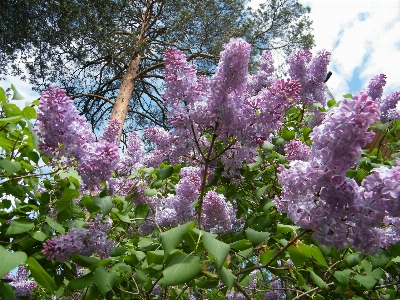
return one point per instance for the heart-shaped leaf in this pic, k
(10, 260)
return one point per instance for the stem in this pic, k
(310, 291)
(241, 289)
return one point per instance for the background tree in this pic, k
(107, 53)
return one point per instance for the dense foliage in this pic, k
(262, 190)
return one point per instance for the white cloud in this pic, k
(369, 41)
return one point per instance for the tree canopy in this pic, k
(106, 54)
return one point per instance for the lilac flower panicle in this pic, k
(111, 132)
(375, 86)
(317, 195)
(67, 138)
(263, 78)
(274, 294)
(218, 214)
(80, 241)
(296, 150)
(22, 284)
(60, 126)
(388, 107)
(132, 158)
(311, 73)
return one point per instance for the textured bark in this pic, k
(120, 109)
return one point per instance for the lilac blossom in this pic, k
(275, 294)
(263, 77)
(67, 138)
(81, 241)
(22, 284)
(316, 193)
(132, 158)
(375, 86)
(218, 214)
(296, 150)
(388, 107)
(235, 109)
(60, 126)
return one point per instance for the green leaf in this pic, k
(82, 282)
(19, 226)
(241, 245)
(10, 260)
(266, 256)
(331, 103)
(141, 211)
(105, 204)
(380, 259)
(354, 259)
(259, 192)
(172, 238)
(29, 113)
(343, 277)
(256, 237)
(123, 218)
(348, 96)
(89, 204)
(226, 277)
(155, 257)
(182, 268)
(6, 144)
(53, 224)
(217, 249)
(11, 120)
(16, 95)
(150, 192)
(366, 280)
(104, 280)
(318, 256)
(6, 291)
(40, 275)
(39, 236)
(11, 167)
(165, 172)
(268, 146)
(148, 170)
(118, 251)
(318, 280)
(299, 255)
(288, 135)
(84, 261)
(282, 228)
(67, 196)
(257, 164)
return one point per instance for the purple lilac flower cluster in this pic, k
(81, 241)
(311, 73)
(67, 138)
(177, 209)
(296, 150)
(236, 109)
(275, 294)
(218, 214)
(22, 284)
(387, 105)
(317, 194)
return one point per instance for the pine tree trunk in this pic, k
(120, 109)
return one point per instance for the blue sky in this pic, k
(367, 34)
(364, 36)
